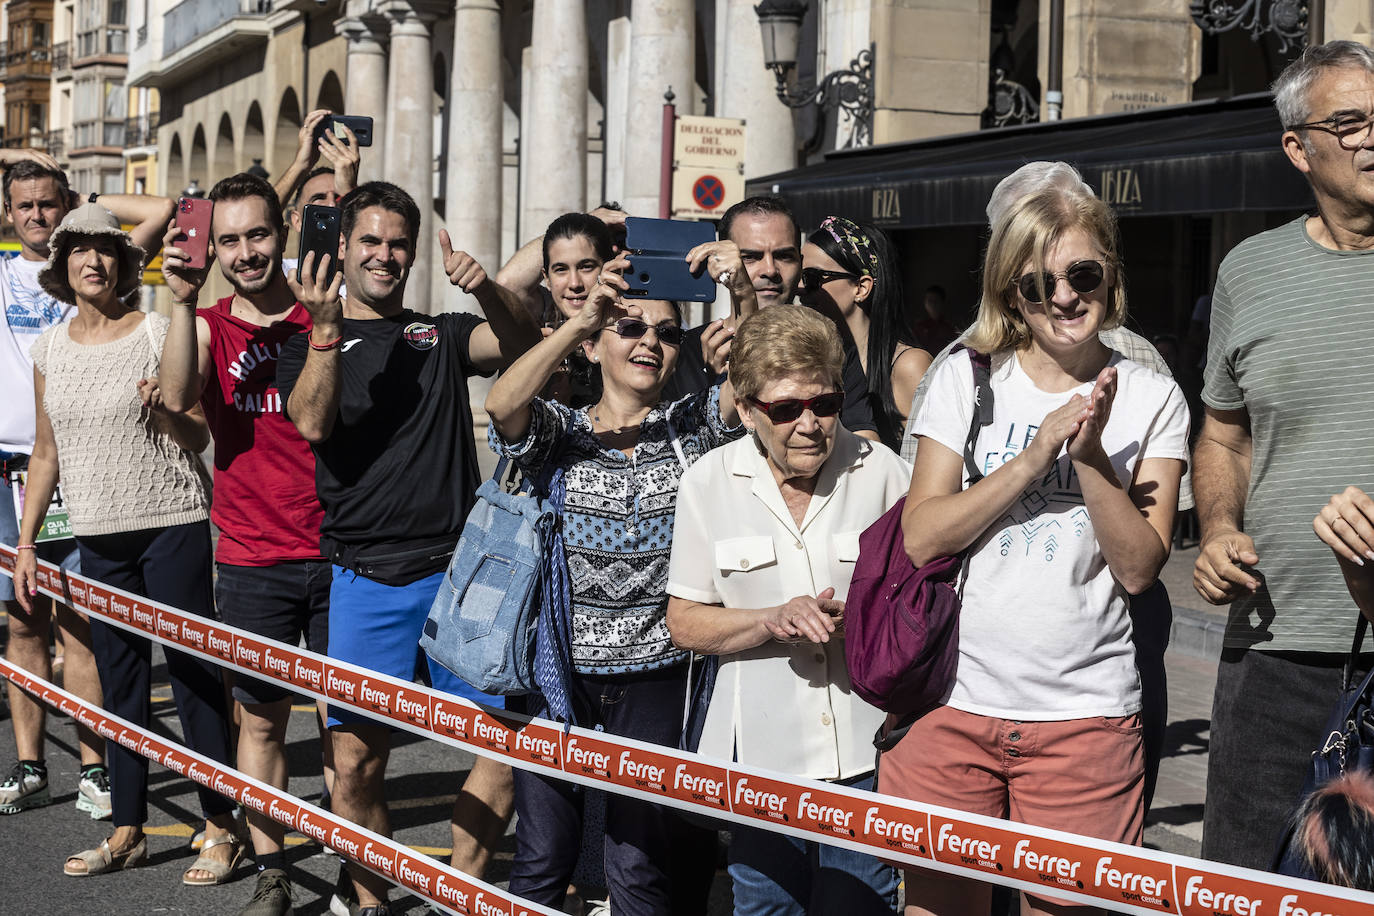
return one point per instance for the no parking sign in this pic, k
(708, 166)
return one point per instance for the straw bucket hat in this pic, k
(90, 220)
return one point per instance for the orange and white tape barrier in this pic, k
(1078, 868)
(451, 890)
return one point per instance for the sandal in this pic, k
(100, 860)
(219, 871)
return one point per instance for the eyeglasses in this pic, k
(822, 405)
(1083, 277)
(1351, 130)
(633, 329)
(815, 278)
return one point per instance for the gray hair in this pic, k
(1295, 82)
(1033, 177)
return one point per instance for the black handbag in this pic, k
(1347, 745)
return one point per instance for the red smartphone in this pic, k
(193, 219)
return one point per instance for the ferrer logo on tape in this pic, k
(453, 892)
(308, 673)
(452, 719)
(80, 596)
(1050, 863)
(218, 642)
(285, 812)
(970, 845)
(484, 904)
(828, 812)
(756, 796)
(538, 743)
(250, 653)
(492, 732)
(588, 756)
(700, 782)
(168, 626)
(123, 609)
(1131, 880)
(341, 684)
(1220, 895)
(375, 696)
(191, 633)
(379, 857)
(411, 706)
(100, 600)
(895, 828)
(417, 874)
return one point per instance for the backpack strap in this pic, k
(982, 409)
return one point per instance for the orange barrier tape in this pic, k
(451, 890)
(1036, 859)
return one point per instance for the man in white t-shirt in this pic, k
(36, 198)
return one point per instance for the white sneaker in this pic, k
(93, 795)
(26, 787)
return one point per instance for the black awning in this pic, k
(1203, 157)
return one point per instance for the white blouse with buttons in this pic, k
(784, 706)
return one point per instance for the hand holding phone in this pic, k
(193, 235)
(658, 250)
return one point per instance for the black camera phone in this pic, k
(320, 233)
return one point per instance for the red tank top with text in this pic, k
(264, 500)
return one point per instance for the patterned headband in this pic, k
(848, 234)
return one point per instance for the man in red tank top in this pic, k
(271, 577)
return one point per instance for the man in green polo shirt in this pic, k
(1289, 421)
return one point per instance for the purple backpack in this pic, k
(902, 623)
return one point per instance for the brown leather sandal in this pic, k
(218, 870)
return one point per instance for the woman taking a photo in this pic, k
(139, 509)
(850, 273)
(1081, 466)
(622, 457)
(764, 547)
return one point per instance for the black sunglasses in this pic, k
(633, 329)
(1083, 277)
(822, 405)
(815, 278)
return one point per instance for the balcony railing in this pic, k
(140, 131)
(61, 57)
(107, 40)
(191, 19)
(57, 143)
(141, 36)
(33, 61)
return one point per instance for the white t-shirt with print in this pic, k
(1044, 632)
(28, 313)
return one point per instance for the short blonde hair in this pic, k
(1026, 233)
(784, 340)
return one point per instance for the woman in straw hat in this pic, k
(138, 502)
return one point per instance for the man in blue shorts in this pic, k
(380, 392)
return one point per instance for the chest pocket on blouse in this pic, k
(845, 546)
(738, 555)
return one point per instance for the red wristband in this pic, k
(332, 345)
(26, 547)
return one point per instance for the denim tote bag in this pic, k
(484, 620)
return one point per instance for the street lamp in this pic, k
(257, 171)
(193, 189)
(851, 91)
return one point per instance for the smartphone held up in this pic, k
(193, 225)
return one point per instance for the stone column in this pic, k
(747, 91)
(473, 193)
(617, 99)
(930, 71)
(553, 136)
(365, 92)
(662, 54)
(410, 133)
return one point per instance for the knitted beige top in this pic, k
(120, 471)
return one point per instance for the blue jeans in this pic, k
(779, 875)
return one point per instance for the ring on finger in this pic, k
(725, 275)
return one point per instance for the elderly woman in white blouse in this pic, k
(765, 542)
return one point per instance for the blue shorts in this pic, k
(63, 553)
(378, 627)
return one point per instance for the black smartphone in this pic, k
(320, 230)
(361, 125)
(657, 249)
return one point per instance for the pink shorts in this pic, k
(1084, 776)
